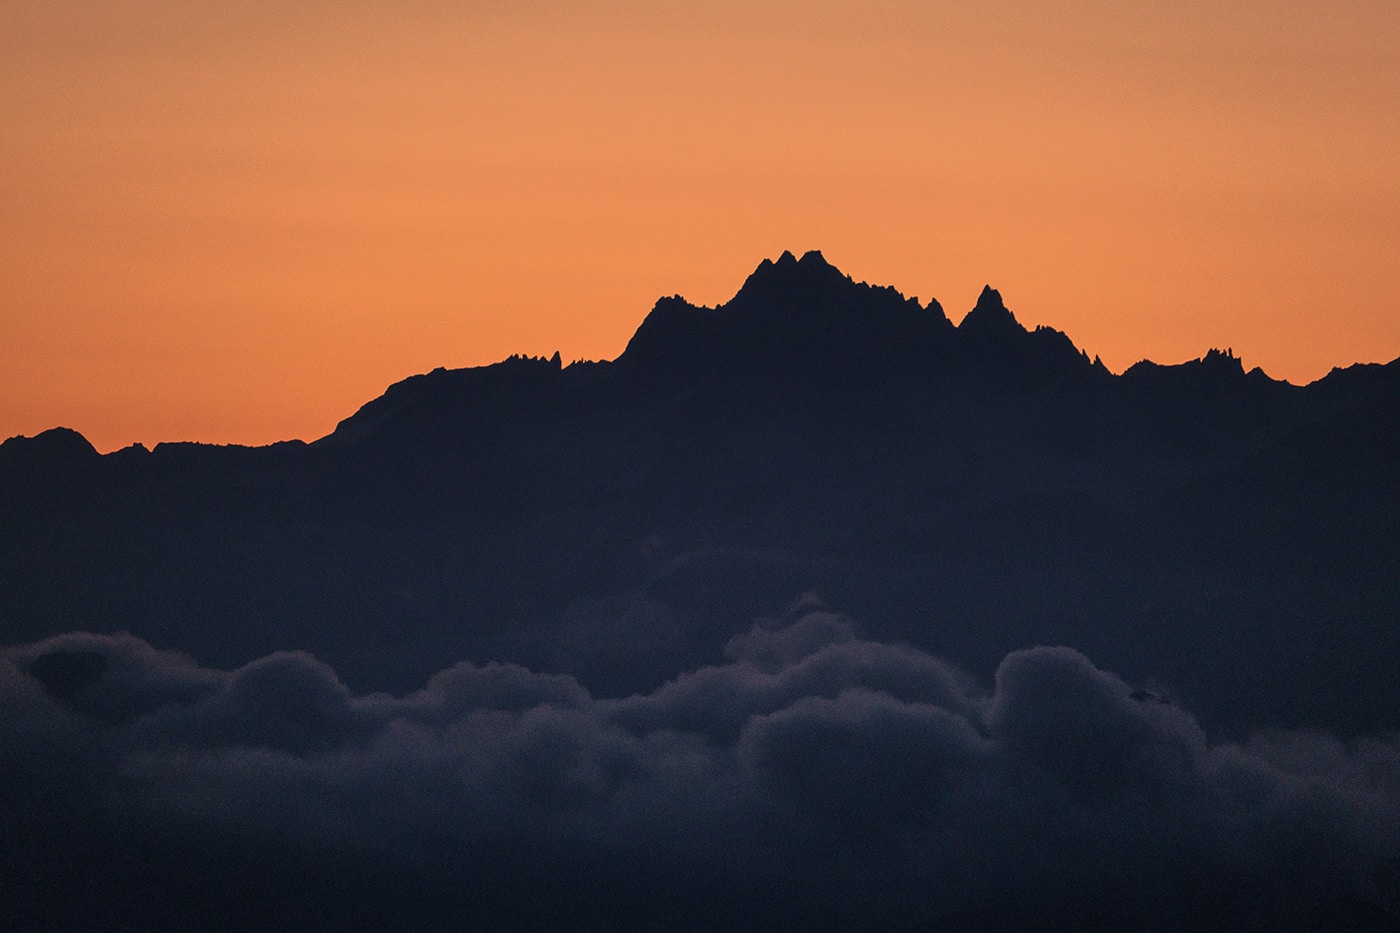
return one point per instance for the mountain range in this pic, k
(810, 611)
(968, 489)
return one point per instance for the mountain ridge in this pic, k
(994, 478)
(681, 338)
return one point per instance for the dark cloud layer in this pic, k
(816, 779)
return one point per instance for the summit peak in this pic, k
(989, 316)
(792, 313)
(790, 277)
(990, 299)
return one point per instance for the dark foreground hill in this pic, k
(968, 489)
(809, 612)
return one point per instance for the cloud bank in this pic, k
(815, 779)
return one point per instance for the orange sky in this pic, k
(237, 224)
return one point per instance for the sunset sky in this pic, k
(236, 223)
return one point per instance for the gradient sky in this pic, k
(237, 223)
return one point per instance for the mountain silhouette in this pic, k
(969, 489)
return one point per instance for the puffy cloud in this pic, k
(814, 779)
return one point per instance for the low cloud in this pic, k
(815, 779)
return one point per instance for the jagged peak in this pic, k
(788, 259)
(790, 275)
(990, 298)
(1224, 359)
(787, 309)
(990, 316)
(1216, 366)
